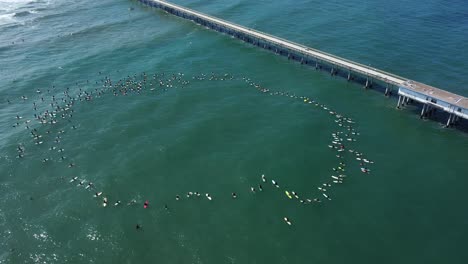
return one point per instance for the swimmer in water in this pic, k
(208, 196)
(117, 203)
(74, 179)
(138, 227)
(287, 221)
(260, 188)
(90, 185)
(177, 197)
(263, 178)
(252, 189)
(104, 203)
(146, 204)
(234, 195)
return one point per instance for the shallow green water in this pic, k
(219, 137)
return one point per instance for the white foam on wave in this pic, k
(7, 19)
(9, 9)
(11, 5)
(92, 234)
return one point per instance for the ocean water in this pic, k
(213, 115)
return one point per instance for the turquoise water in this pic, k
(219, 134)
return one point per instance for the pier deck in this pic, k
(407, 89)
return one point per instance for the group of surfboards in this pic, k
(53, 113)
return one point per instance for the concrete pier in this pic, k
(432, 98)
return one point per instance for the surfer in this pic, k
(275, 183)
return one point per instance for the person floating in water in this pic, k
(146, 204)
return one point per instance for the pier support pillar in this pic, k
(428, 110)
(349, 76)
(316, 65)
(455, 119)
(449, 121)
(423, 111)
(388, 91)
(399, 101)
